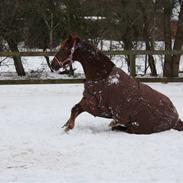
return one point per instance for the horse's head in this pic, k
(95, 64)
(66, 55)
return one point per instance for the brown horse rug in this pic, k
(134, 106)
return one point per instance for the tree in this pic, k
(178, 43)
(148, 17)
(11, 18)
(171, 63)
(167, 13)
(125, 24)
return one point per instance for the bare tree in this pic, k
(12, 24)
(148, 15)
(167, 13)
(178, 43)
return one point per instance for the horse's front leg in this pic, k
(76, 110)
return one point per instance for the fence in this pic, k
(131, 53)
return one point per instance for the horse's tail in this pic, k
(178, 125)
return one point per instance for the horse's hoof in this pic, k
(113, 123)
(69, 126)
(67, 130)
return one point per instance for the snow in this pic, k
(34, 148)
(114, 79)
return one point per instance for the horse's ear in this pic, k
(62, 45)
(73, 36)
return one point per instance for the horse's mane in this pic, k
(95, 58)
(93, 51)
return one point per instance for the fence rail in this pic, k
(117, 52)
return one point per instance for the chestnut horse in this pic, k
(111, 93)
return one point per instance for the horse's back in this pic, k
(153, 111)
(130, 102)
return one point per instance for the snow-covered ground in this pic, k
(34, 148)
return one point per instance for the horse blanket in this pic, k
(130, 103)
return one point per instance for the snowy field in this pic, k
(34, 148)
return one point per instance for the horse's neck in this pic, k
(96, 65)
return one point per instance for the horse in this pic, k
(109, 92)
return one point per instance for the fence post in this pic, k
(132, 65)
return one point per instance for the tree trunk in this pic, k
(17, 59)
(48, 61)
(71, 70)
(178, 43)
(151, 60)
(167, 68)
(128, 46)
(149, 46)
(148, 38)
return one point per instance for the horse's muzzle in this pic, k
(55, 66)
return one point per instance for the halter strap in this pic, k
(69, 58)
(60, 64)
